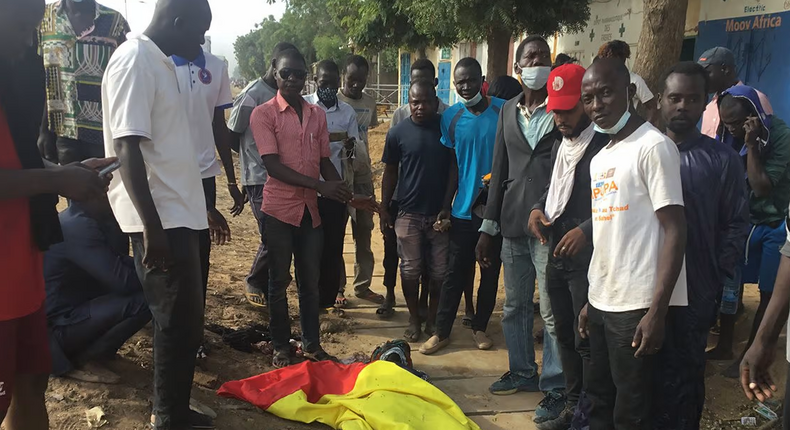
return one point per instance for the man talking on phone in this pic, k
(763, 141)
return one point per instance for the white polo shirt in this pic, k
(339, 118)
(206, 84)
(140, 98)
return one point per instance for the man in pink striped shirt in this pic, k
(293, 141)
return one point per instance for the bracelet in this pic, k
(232, 184)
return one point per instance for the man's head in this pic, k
(182, 26)
(280, 47)
(356, 76)
(468, 78)
(607, 92)
(734, 111)
(423, 101)
(327, 79)
(684, 97)
(563, 59)
(18, 23)
(616, 49)
(504, 87)
(719, 63)
(533, 62)
(565, 93)
(423, 69)
(290, 73)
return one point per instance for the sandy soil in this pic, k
(127, 405)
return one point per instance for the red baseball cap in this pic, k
(565, 87)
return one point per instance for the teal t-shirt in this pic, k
(473, 138)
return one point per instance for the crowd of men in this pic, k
(637, 240)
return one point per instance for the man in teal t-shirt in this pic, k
(469, 128)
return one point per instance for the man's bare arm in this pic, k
(281, 172)
(328, 171)
(135, 179)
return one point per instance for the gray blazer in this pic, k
(520, 174)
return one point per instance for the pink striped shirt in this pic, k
(301, 146)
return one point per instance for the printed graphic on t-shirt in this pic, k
(605, 186)
(205, 76)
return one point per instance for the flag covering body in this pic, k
(376, 396)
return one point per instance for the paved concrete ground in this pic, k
(462, 371)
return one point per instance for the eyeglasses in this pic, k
(298, 74)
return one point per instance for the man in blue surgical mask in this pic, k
(637, 269)
(520, 176)
(469, 129)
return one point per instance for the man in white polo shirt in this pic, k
(639, 239)
(206, 84)
(157, 198)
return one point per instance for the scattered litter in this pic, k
(765, 412)
(296, 348)
(749, 421)
(242, 339)
(95, 417)
(56, 397)
(357, 357)
(265, 347)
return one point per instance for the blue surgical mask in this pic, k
(621, 123)
(471, 102)
(535, 78)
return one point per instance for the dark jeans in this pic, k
(463, 240)
(258, 279)
(304, 243)
(334, 217)
(210, 192)
(390, 262)
(680, 373)
(786, 415)
(113, 320)
(175, 298)
(567, 296)
(74, 151)
(619, 385)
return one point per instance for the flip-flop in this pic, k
(320, 355)
(385, 312)
(281, 359)
(255, 299)
(371, 297)
(412, 336)
(341, 302)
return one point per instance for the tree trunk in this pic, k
(498, 50)
(421, 53)
(661, 40)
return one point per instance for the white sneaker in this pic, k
(482, 340)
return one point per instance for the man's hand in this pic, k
(583, 331)
(218, 228)
(538, 220)
(386, 222)
(81, 181)
(442, 223)
(245, 195)
(649, 336)
(753, 128)
(335, 190)
(756, 379)
(482, 249)
(157, 249)
(365, 203)
(238, 200)
(571, 243)
(349, 143)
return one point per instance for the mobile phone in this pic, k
(111, 168)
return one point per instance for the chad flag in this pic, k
(376, 396)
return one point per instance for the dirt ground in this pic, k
(127, 406)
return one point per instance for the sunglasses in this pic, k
(298, 74)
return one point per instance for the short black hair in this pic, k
(358, 61)
(727, 101)
(562, 59)
(327, 66)
(617, 68)
(470, 63)
(688, 68)
(292, 54)
(615, 49)
(423, 83)
(282, 46)
(424, 64)
(527, 41)
(505, 87)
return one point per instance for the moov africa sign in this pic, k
(758, 22)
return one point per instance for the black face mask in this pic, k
(328, 96)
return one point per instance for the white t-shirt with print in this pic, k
(140, 98)
(207, 87)
(630, 182)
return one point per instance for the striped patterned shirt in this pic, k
(75, 66)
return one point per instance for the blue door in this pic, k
(444, 82)
(405, 77)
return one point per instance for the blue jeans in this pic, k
(525, 260)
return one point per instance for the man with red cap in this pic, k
(562, 218)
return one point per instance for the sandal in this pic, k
(385, 312)
(411, 335)
(320, 355)
(255, 299)
(282, 359)
(341, 301)
(340, 313)
(371, 297)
